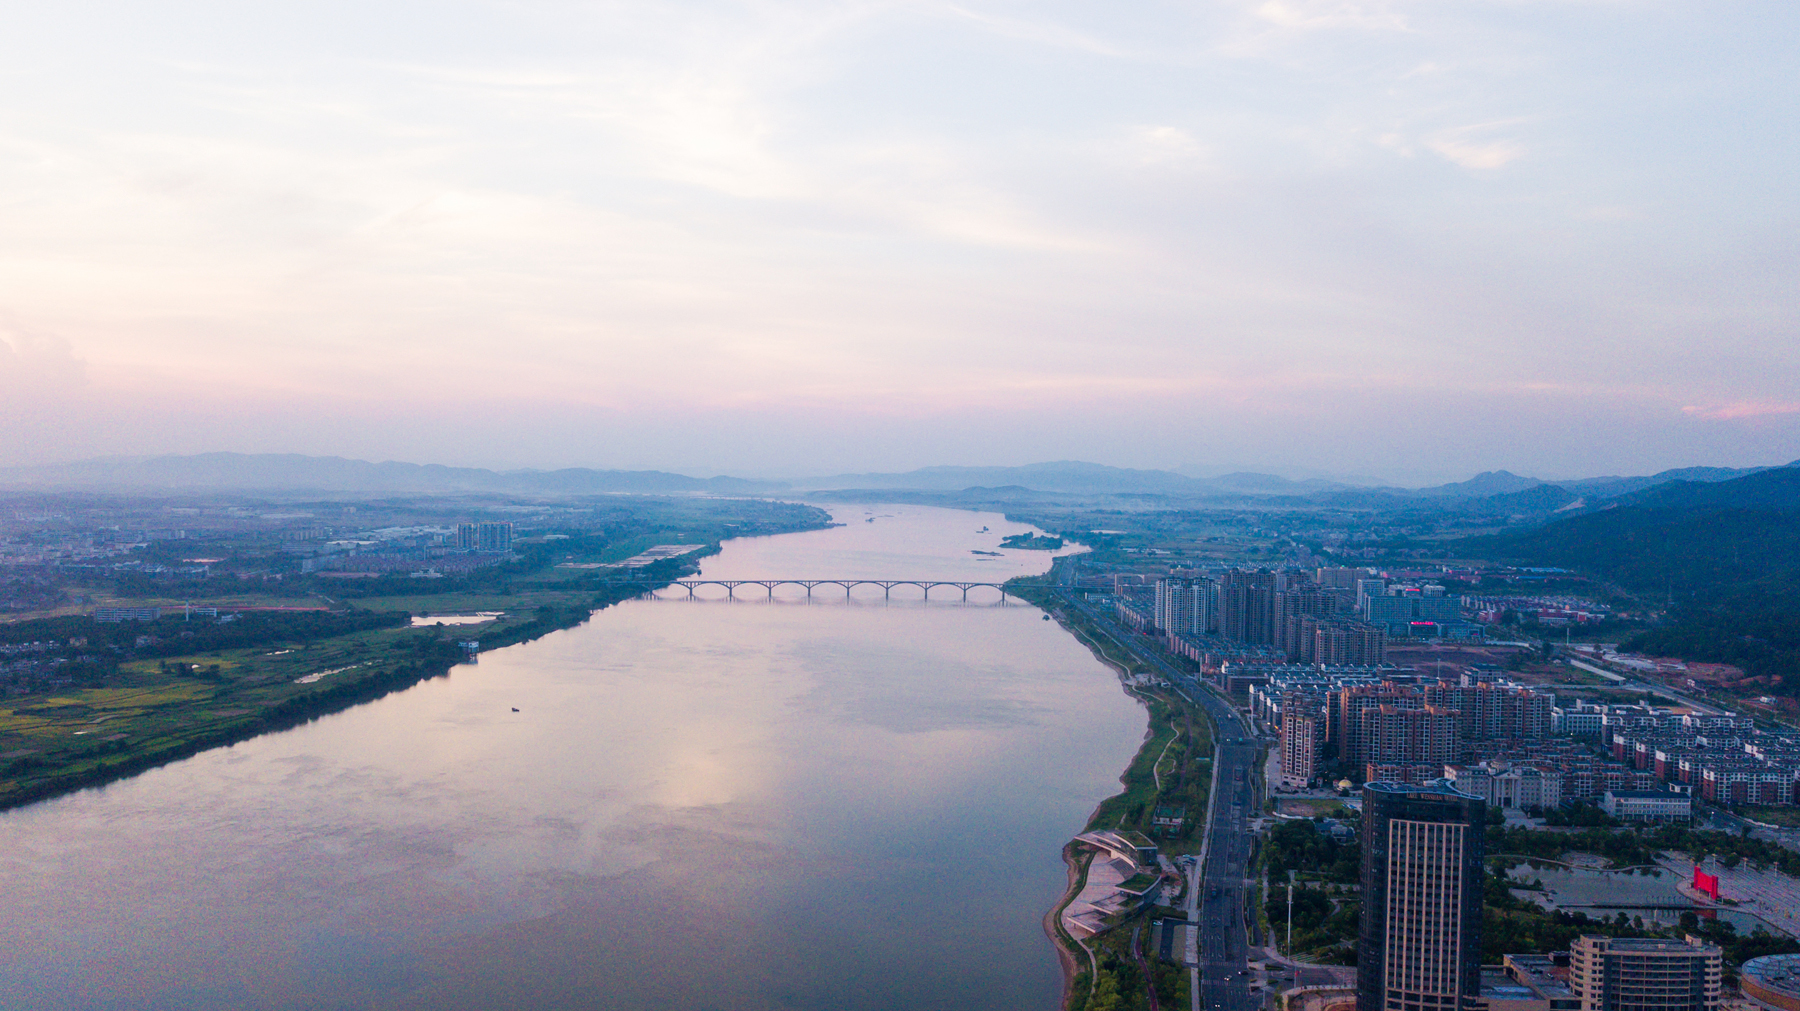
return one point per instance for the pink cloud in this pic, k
(1741, 409)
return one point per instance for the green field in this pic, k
(150, 711)
(141, 694)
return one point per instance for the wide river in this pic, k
(698, 805)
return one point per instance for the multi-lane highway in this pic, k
(1224, 947)
(1216, 889)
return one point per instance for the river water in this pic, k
(746, 804)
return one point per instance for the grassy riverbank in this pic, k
(149, 711)
(1172, 770)
(134, 695)
(1170, 773)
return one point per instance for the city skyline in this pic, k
(1386, 238)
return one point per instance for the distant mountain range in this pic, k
(1630, 538)
(1496, 489)
(295, 473)
(1491, 491)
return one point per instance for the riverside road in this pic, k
(1216, 887)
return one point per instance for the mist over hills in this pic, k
(1776, 489)
(1066, 476)
(293, 472)
(288, 472)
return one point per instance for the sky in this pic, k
(1411, 240)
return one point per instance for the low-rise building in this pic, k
(1583, 720)
(1529, 983)
(1647, 805)
(127, 613)
(1505, 784)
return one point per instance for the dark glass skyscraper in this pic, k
(1420, 944)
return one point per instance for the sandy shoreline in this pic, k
(1064, 957)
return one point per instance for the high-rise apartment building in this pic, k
(1427, 735)
(484, 536)
(1172, 607)
(1334, 640)
(1302, 737)
(1186, 605)
(1645, 974)
(1495, 712)
(1247, 606)
(1366, 588)
(1344, 732)
(1298, 602)
(1420, 944)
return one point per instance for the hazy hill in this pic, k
(1592, 489)
(293, 472)
(1066, 476)
(1270, 484)
(1596, 488)
(1497, 492)
(1777, 489)
(1703, 538)
(1486, 483)
(1534, 499)
(1725, 555)
(1078, 478)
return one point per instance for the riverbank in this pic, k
(153, 712)
(1076, 867)
(763, 780)
(135, 695)
(1170, 772)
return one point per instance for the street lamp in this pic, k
(1290, 929)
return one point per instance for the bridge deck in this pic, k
(887, 585)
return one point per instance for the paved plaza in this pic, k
(1770, 895)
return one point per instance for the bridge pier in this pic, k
(692, 586)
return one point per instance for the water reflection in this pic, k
(1646, 893)
(710, 806)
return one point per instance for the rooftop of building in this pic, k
(1434, 788)
(1651, 944)
(1777, 972)
(1528, 978)
(1497, 985)
(1541, 972)
(1646, 795)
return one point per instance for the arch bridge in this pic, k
(887, 585)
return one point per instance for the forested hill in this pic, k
(1726, 555)
(1777, 489)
